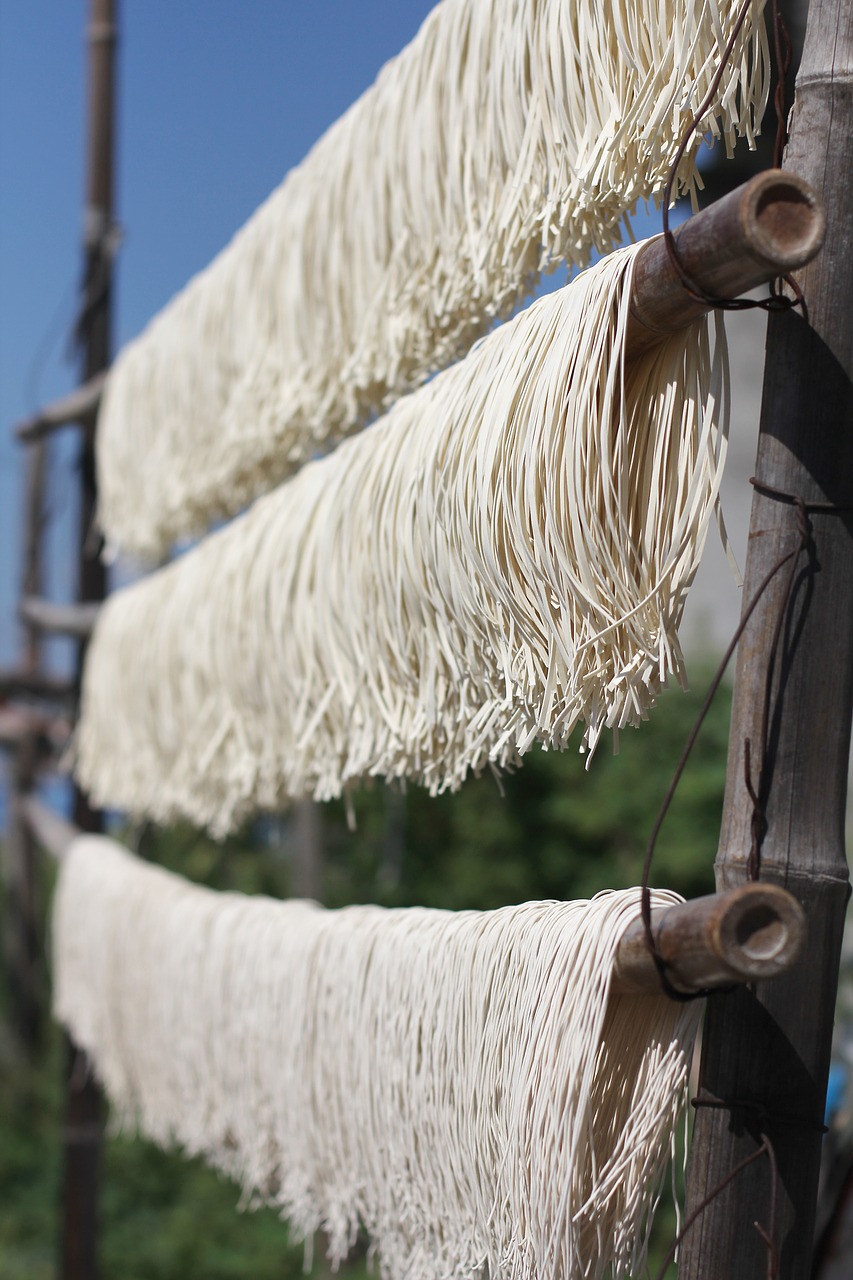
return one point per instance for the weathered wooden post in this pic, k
(766, 1048)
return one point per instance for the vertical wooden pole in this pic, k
(84, 1106)
(766, 1049)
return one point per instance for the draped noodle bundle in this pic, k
(459, 1083)
(509, 135)
(506, 553)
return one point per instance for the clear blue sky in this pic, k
(217, 100)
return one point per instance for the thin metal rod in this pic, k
(80, 406)
(749, 933)
(772, 225)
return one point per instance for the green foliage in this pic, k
(551, 829)
(29, 1165)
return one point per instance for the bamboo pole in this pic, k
(745, 934)
(306, 868)
(84, 1105)
(54, 833)
(34, 519)
(16, 682)
(76, 620)
(767, 1047)
(22, 944)
(18, 725)
(769, 226)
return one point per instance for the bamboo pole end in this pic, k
(762, 930)
(783, 219)
(770, 226)
(747, 934)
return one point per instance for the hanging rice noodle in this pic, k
(462, 1085)
(509, 136)
(505, 554)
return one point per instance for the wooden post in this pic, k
(84, 1104)
(54, 833)
(766, 1048)
(17, 681)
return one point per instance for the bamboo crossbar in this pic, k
(769, 226)
(17, 682)
(79, 406)
(53, 832)
(749, 933)
(753, 932)
(76, 620)
(21, 724)
(18, 724)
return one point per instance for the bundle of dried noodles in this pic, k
(511, 135)
(462, 1085)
